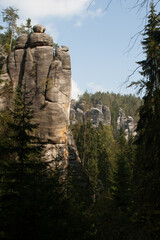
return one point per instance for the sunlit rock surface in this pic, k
(45, 72)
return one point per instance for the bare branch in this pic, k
(128, 78)
(133, 41)
(90, 5)
(139, 4)
(108, 5)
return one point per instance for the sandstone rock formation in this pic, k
(5, 80)
(101, 114)
(126, 123)
(3, 57)
(46, 75)
(97, 114)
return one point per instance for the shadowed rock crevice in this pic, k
(22, 69)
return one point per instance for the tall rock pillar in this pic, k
(45, 72)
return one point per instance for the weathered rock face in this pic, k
(3, 57)
(46, 75)
(5, 80)
(95, 115)
(98, 114)
(126, 123)
(101, 114)
(107, 115)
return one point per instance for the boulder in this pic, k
(39, 28)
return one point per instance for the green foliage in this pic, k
(146, 168)
(28, 25)
(112, 211)
(121, 189)
(95, 151)
(20, 163)
(10, 16)
(105, 155)
(8, 38)
(85, 137)
(36, 200)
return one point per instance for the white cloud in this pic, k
(95, 87)
(90, 13)
(75, 90)
(44, 8)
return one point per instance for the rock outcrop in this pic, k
(101, 114)
(126, 123)
(5, 80)
(98, 114)
(3, 57)
(46, 74)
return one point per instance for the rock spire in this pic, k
(45, 72)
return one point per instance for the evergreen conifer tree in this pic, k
(10, 16)
(147, 164)
(104, 155)
(21, 172)
(122, 192)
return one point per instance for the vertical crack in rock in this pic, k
(47, 81)
(22, 68)
(7, 69)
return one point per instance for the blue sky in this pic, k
(98, 40)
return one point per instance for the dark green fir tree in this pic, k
(122, 191)
(21, 171)
(147, 163)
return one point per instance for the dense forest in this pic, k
(129, 103)
(35, 200)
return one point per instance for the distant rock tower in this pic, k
(126, 123)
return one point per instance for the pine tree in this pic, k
(87, 133)
(21, 171)
(147, 164)
(10, 16)
(104, 155)
(122, 191)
